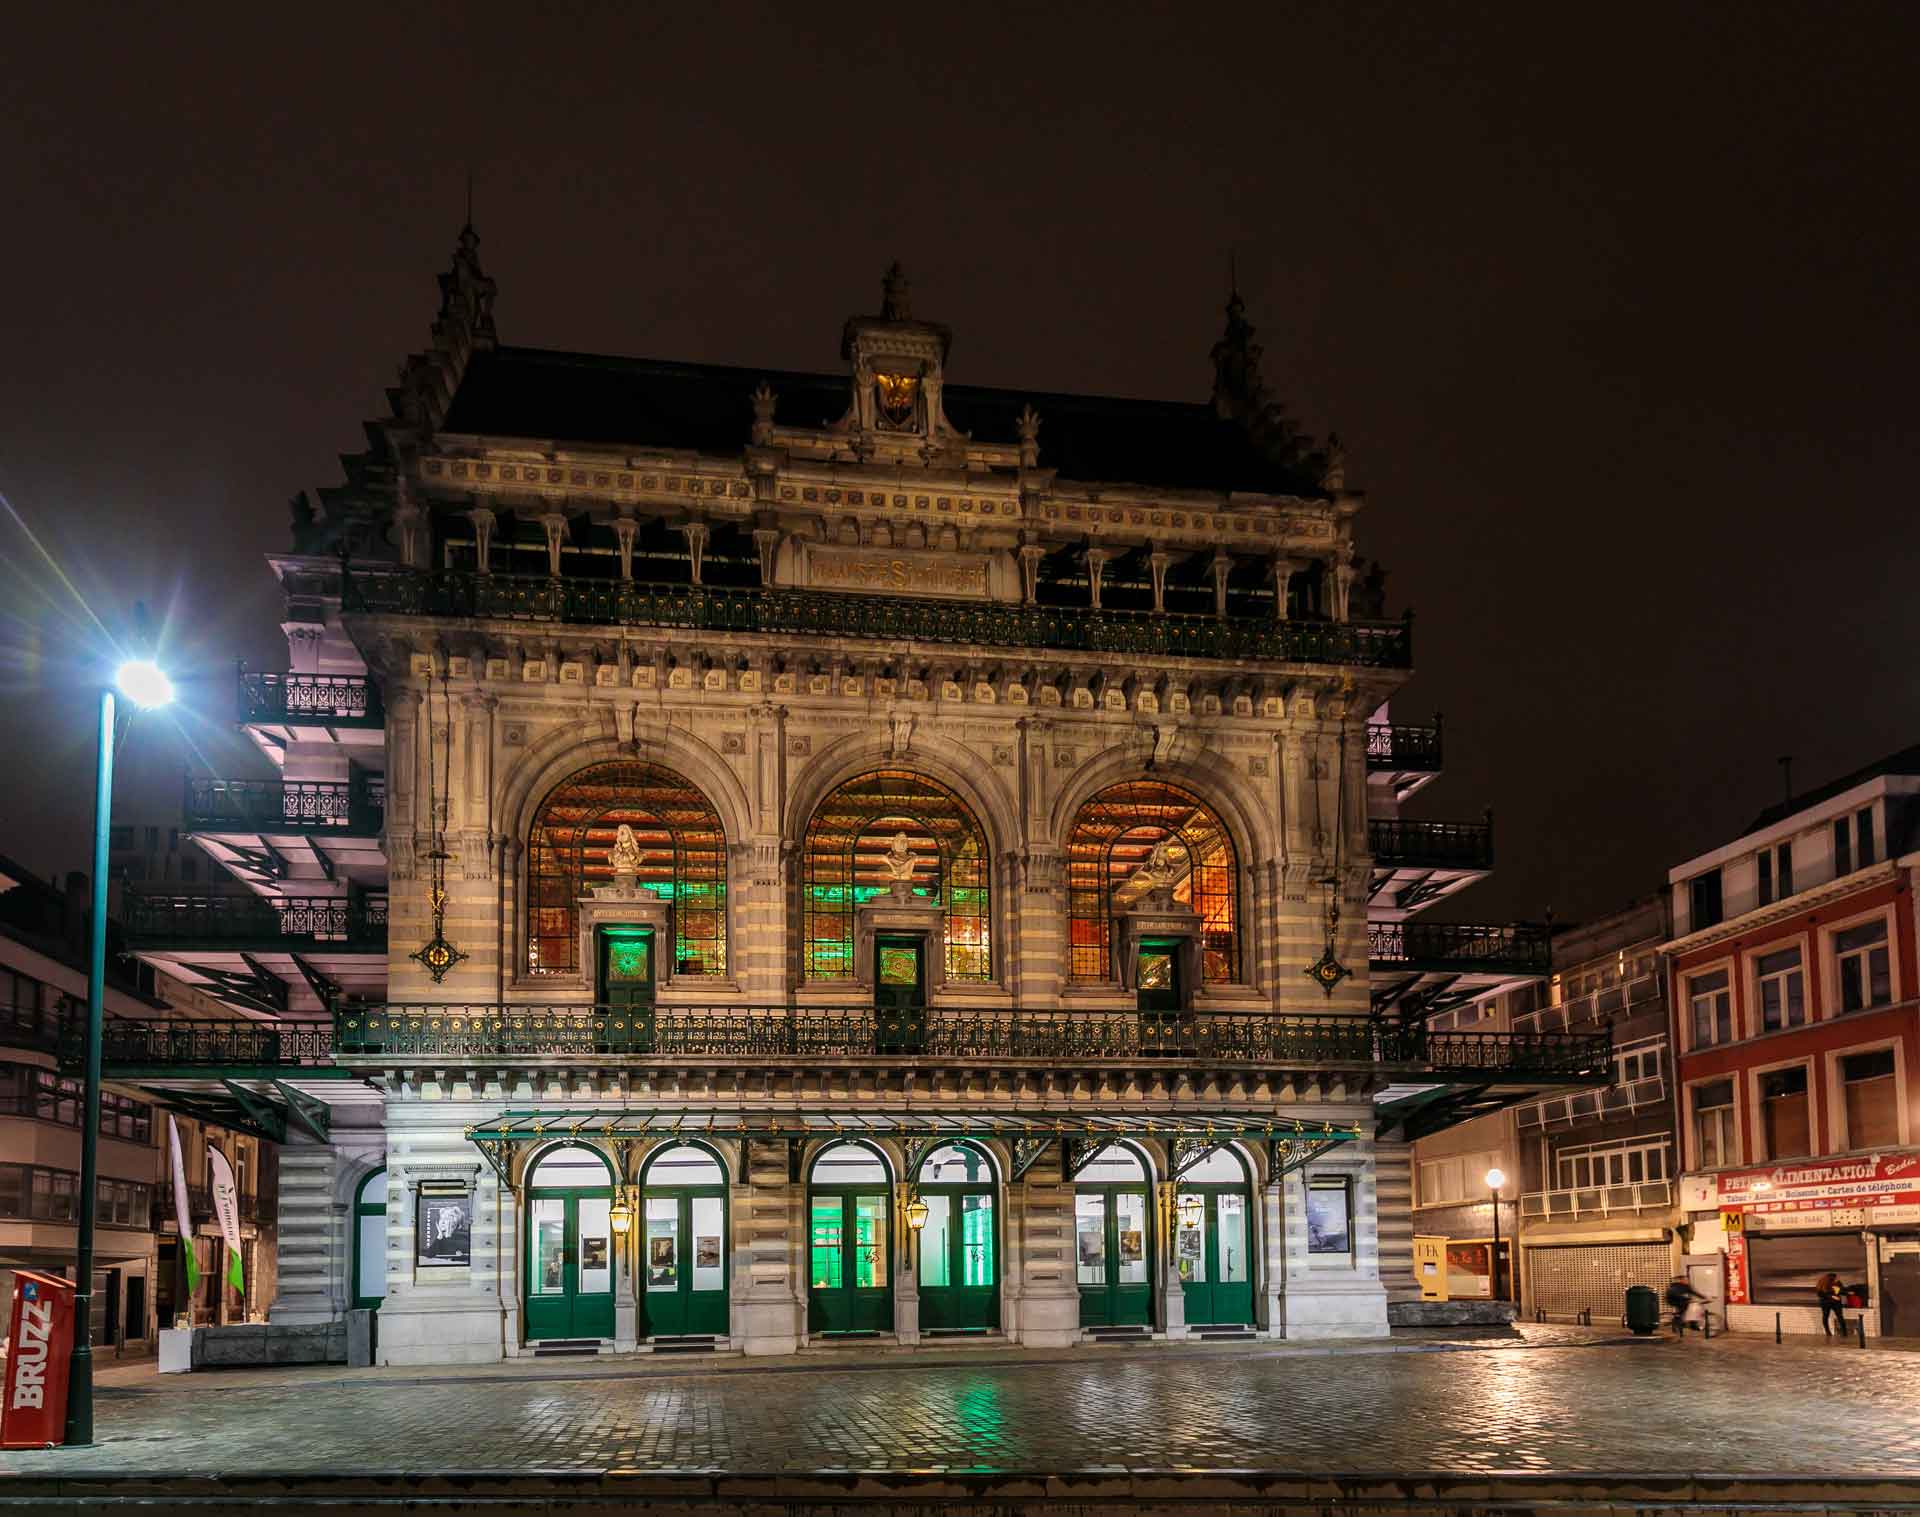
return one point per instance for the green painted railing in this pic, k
(629, 603)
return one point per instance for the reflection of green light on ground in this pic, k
(982, 1418)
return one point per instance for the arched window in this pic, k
(1114, 838)
(683, 859)
(370, 1240)
(846, 863)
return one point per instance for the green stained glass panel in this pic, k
(899, 966)
(628, 960)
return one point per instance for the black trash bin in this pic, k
(1643, 1309)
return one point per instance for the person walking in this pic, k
(1832, 1303)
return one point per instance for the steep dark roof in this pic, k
(586, 398)
(1906, 761)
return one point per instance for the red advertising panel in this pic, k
(33, 1402)
(1873, 1180)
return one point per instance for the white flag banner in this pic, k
(226, 1207)
(182, 1213)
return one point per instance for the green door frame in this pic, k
(689, 1312)
(567, 1313)
(626, 988)
(848, 1307)
(362, 1207)
(899, 1009)
(956, 1306)
(1212, 1301)
(1112, 1304)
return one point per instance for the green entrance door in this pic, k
(1212, 1240)
(960, 1245)
(626, 987)
(849, 1213)
(899, 992)
(683, 1259)
(570, 1246)
(1113, 1240)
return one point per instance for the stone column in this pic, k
(314, 1277)
(483, 524)
(625, 531)
(696, 534)
(766, 543)
(1173, 1295)
(1282, 570)
(1049, 1302)
(555, 523)
(1030, 556)
(768, 1309)
(1096, 572)
(1221, 568)
(1157, 565)
(906, 1277)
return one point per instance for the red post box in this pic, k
(33, 1400)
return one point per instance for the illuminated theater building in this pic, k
(763, 857)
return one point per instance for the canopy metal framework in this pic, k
(1291, 1142)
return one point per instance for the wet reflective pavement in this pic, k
(1732, 1406)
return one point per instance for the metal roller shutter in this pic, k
(1594, 1277)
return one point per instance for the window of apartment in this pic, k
(1785, 1119)
(1714, 1139)
(1703, 900)
(1640, 1064)
(29, 1092)
(1868, 1095)
(1860, 955)
(1585, 1168)
(32, 1192)
(1712, 1001)
(1863, 836)
(1456, 1178)
(1842, 849)
(1776, 873)
(1782, 988)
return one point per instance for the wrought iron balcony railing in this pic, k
(1397, 842)
(1397, 749)
(314, 700)
(348, 808)
(628, 603)
(1461, 947)
(199, 1207)
(225, 1044)
(1043, 1035)
(457, 1030)
(156, 920)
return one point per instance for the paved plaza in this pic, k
(1542, 1403)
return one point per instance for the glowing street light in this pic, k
(146, 685)
(1496, 1178)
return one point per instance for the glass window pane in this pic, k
(869, 1241)
(824, 1245)
(1090, 1238)
(663, 1243)
(976, 1240)
(1220, 1167)
(848, 1163)
(709, 1243)
(1112, 1164)
(596, 1245)
(683, 1164)
(955, 1164)
(570, 1168)
(372, 1243)
(1230, 1213)
(936, 1241)
(1190, 1236)
(549, 1246)
(1130, 1219)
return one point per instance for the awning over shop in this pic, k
(1292, 1142)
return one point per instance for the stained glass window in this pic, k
(846, 862)
(683, 859)
(1114, 841)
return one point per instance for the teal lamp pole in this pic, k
(142, 682)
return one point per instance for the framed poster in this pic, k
(1329, 1217)
(1133, 1245)
(706, 1253)
(443, 1236)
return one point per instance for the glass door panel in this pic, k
(826, 1250)
(1190, 1238)
(936, 1242)
(976, 1242)
(1090, 1239)
(549, 1246)
(709, 1243)
(1230, 1210)
(1130, 1218)
(596, 1246)
(663, 1244)
(870, 1220)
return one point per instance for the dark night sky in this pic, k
(1613, 309)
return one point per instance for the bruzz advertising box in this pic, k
(33, 1406)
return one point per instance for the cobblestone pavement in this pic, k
(1547, 1405)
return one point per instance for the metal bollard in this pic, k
(1776, 1327)
(1706, 1325)
(1861, 1323)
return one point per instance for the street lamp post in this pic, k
(1496, 1179)
(143, 683)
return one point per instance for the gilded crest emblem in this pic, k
(896, 394)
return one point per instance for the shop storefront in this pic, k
(1779, 1229)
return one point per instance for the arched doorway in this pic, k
(370, 1241)
(569, 1244)
(683, 1243)
(959, 1246)
(1213, 1241)
(1113, 1239)
(849, 1241)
